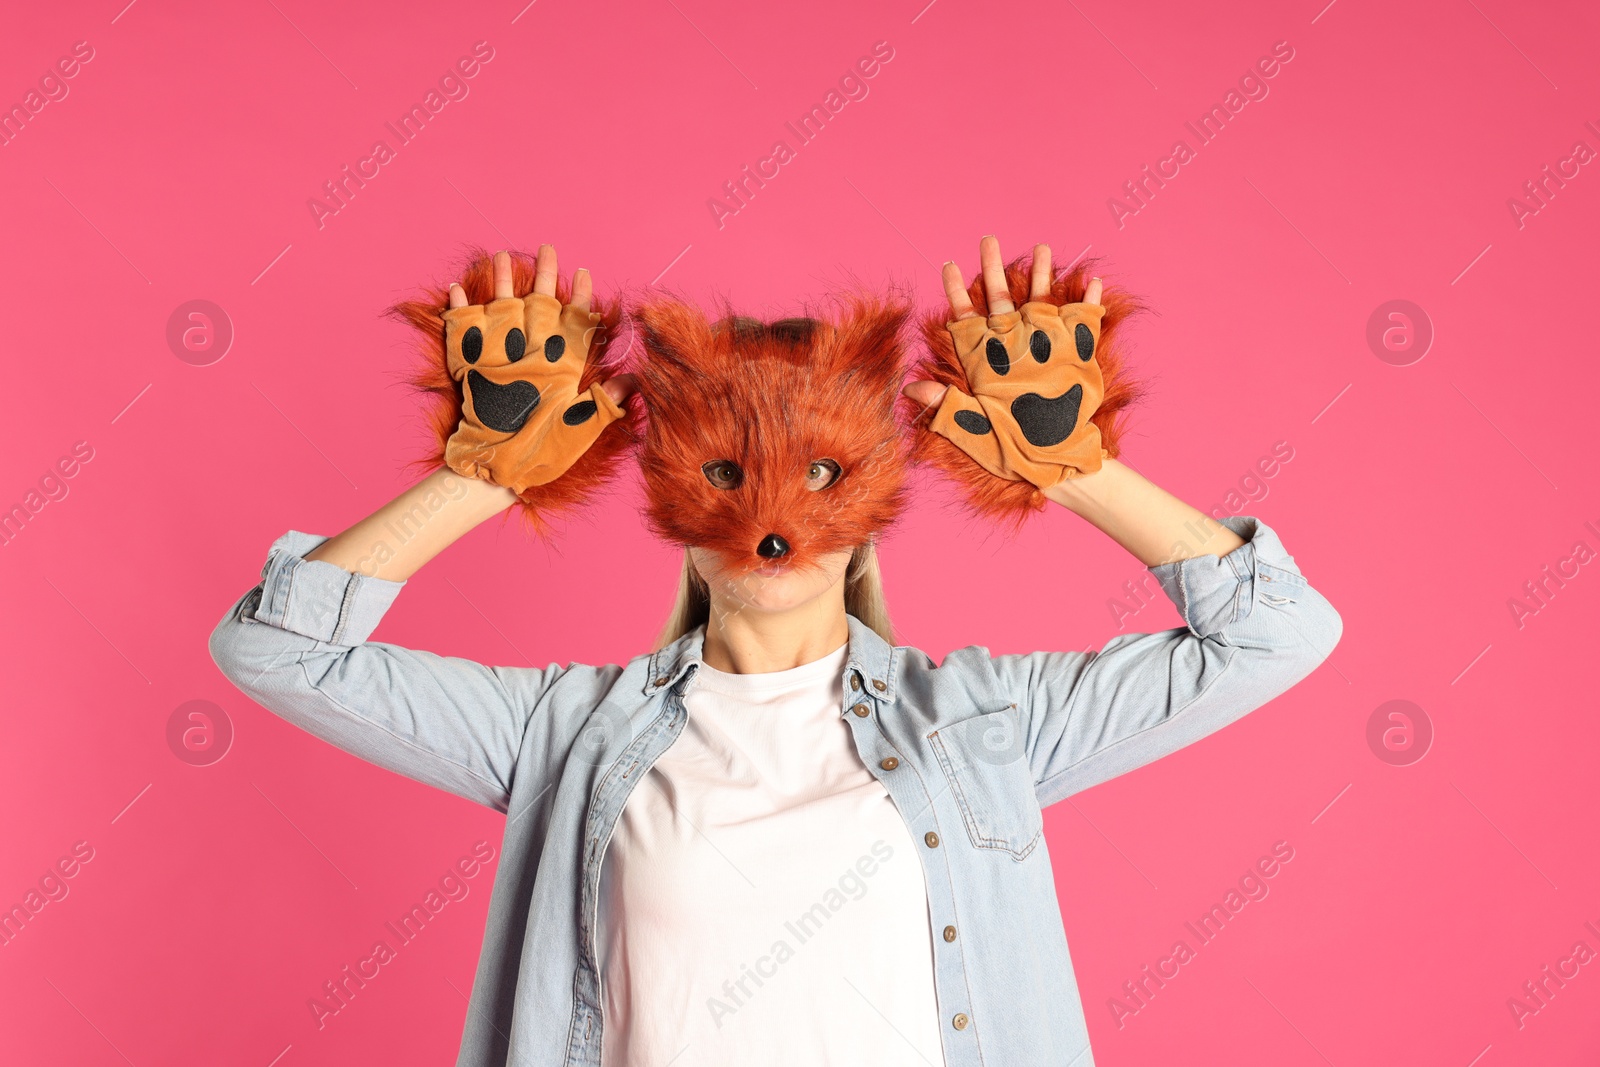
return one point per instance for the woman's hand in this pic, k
(1143, 518)
(518, 361)
(1032, 373)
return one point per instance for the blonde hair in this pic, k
(863, 597)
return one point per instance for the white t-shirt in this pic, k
(761, 901)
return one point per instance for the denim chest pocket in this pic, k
(985, 764)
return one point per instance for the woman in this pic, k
(781, 838)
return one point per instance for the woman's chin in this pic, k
(779, 586)
(778, 591)
(773, 585)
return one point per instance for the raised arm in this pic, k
(1036, 422)
(297, 643)
(434, 513)
(1151, 523)
(1254, 627)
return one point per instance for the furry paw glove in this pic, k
(1036, 395)
(518, 362)
(1034, 384)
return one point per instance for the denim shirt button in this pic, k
(855, 682)
(889, 763)
(879, 685)
(960, 1021)
(949, 933)
(862, 710)
(661, 681)
(931, 838)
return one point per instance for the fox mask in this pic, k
(772, 441)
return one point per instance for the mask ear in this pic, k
(743, 327)
(674, 335)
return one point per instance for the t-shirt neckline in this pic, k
(830, 665)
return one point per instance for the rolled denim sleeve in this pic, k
(297, 645)
(1253, 628)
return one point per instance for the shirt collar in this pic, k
(869, 665)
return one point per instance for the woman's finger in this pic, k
(926, 393)
(994, 276)
(502, 275)
(544, 271)
(620, 387)
(1040, 287)
(1091, 295)
(582, 289)
(956, 291)
(458, 295)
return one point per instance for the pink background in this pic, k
(1419, 498)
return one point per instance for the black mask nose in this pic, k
(772, 546)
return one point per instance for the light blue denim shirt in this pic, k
(970, 750)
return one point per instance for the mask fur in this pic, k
(600, 463)
(773, 398)
(997, 499)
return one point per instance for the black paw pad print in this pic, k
(972, 422)
(502, 407)
(579, 413)
(1083, 337)
(1047, 421)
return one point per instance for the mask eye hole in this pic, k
(821, 474)
(723, 473)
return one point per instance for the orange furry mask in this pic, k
(747, 420)
(990, 497)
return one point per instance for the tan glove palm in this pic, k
(518, 361)
(1035, 383)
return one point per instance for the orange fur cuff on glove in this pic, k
(518, 361)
